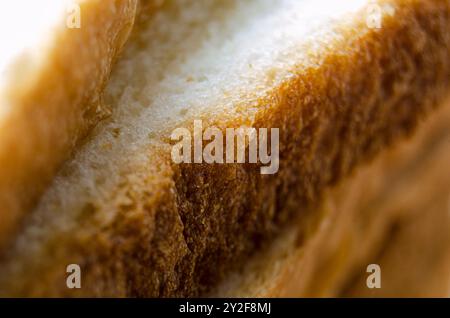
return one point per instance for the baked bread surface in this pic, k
(50, 95)
(393, 212)
(140, 225)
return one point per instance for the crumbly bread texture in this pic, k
(394, 212)
(52, 75)
(340, 92)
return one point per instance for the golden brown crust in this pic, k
(53, 113)
(180, 229)
(393, 212)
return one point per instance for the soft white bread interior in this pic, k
(55, 58)
(339, 91)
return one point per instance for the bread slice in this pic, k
(339, 91)
(393, 212)
(55, 59)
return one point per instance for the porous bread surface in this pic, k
(140, 225)
(51, 81)
(393, 212)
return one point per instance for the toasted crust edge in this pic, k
(51, 115)
(187, 226)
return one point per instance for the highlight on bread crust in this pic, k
(54, 67)
(339, 91)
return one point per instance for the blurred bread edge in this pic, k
(53, 106)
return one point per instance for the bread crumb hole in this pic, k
(184, 111)
(116, 132)
(87, 212)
